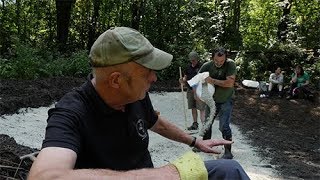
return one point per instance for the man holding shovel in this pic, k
(193, 103)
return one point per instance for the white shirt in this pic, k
(276, 79)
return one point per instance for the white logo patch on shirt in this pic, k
(140, 129)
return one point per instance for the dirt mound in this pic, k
(16, 94)
(284, 131)
(10, 164)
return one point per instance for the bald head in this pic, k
(124, 83)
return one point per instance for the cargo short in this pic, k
(193, 103)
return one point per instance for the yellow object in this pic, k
(191, 167)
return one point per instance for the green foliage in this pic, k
(25, 65)
(258, 65)
(306, 19)
(75, 65)
(176, 26)
(259, 24)
(30, 63)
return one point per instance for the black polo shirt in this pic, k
(190, 71)
(101, 136)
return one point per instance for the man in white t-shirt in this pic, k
(276, 80)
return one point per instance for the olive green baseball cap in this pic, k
(193, 55)
(122, 44)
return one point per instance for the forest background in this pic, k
(47, 38)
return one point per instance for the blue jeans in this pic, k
(225, 169)
(223, 113)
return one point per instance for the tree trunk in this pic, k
(93, 27)
(137, 11)
(63, 19)
(18, 4)
(236, 24)
(121, 13)
(283, 24)
(236, 14)
(159, 26)
(50, 24)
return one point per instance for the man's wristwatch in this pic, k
(193, 141)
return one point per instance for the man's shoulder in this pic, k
(76, 99)
(306, 73)
(206, 66)
(208, 63)
(200, 64)
(230, 61)
(189, 67)
(230, 64)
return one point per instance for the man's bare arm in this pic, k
(170, 131)
(58, 163)
(229, 82)
(166, 129)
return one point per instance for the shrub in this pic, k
(31, 63)
(259, 65)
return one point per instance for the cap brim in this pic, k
(156, 60)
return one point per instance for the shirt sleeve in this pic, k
(271, 78)
(280, 79)
(62, 130)
(231, 70)
(307, 76)
(204, 67)
(152, 115)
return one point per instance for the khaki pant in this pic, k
(193, 103)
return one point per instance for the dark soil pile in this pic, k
(287, 132)
(10, 164)
(33, 93)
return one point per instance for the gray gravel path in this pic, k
(27, 127)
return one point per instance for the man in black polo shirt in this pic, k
(99, 131)
(193, 103)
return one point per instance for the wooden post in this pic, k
(183, 97)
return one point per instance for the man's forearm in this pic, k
(222, 83)
(170, 131)
(293, 80)
(274, 81)
(165, 172)
(305, 84)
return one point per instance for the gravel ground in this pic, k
(27, 128)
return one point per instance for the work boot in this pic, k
(227, 152)
(194, 126)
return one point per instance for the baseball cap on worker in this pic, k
(193, 55)
(122, 44)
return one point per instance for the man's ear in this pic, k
(114, 80)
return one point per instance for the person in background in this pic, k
(100, 130)
(276, 82)
(222, 74)
(193, 103)
(299, 83)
